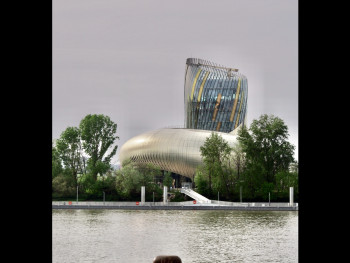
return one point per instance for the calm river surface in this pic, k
(195, 236)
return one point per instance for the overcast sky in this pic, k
(126, 59)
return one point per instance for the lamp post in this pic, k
(240, 190)
(269, 198)
(240, 193)
(103, 197)
(77, 193)
(218, 197)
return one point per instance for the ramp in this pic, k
(196, 196)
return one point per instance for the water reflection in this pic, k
(195, 236)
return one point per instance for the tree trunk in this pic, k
(94, 176)
(227, 186)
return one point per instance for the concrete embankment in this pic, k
(176, 206)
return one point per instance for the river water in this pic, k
(193, 235)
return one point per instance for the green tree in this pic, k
(286, 179)
(167, 180)
(215, 151)
(128, 181)
(98, 133)
(202, 181)
(232, 172)
(251, 180)
(57, 167)
(238, 160)
(148, 174)
(106, 184)
(63, 185)
(87, 184)
(264, 190)
(293, 167)
(266, 147)
(132, 176)
(69, 151)
(229, 172)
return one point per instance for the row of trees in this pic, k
(261, 163)
(117, 185)
(81, 161)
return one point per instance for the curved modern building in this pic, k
(215, 99)
(175, 150)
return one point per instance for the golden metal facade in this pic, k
(174, 150)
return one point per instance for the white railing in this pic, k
(254, 204)
(185, 203)
(198, 197)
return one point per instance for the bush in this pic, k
(62, 186)
(179, 197)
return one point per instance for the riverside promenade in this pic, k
(187, 205)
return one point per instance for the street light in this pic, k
(240, 191)
(77, 194)
(103, 197)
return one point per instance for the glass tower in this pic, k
(215, 96)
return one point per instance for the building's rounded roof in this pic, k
(174, 150)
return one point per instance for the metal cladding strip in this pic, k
(236, 99)
(194, 83)
(187, 90)
(187, 72)
(221, 107)
(229, 105)
(188, 76)
(216, 108)
(244, 111)
(212, 100)
(205, 102)
(196, 109)
(219, 90)
(195, 95)
(193, 104)
(210, 88)
(239, 111)
(191, 83)
(202, 85)
(210, 65)
(244, 105)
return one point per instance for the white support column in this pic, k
(165, 194)
(291, 199)
(143, 194)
